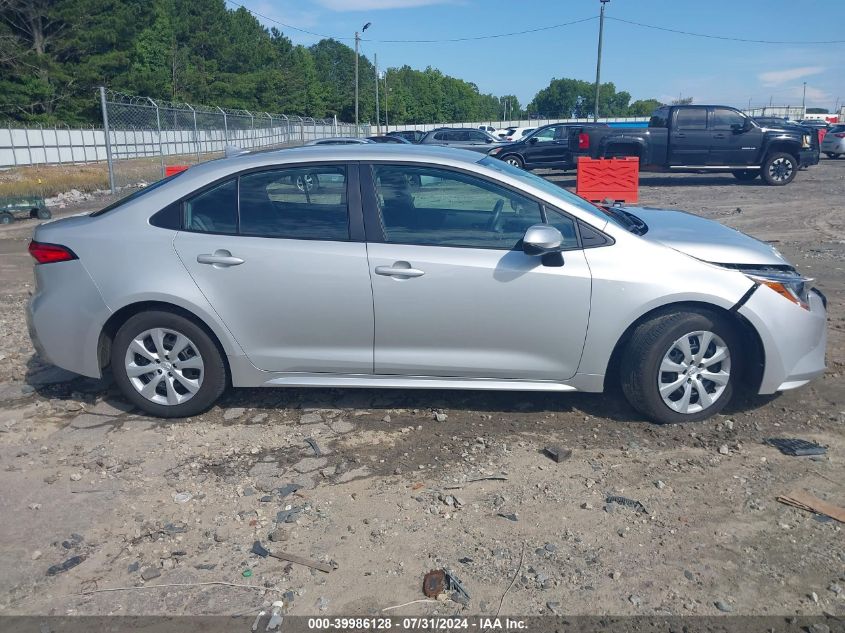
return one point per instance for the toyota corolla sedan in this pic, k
(414, 267)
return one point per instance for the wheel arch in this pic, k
(119, 317)
(517, 154)
(786, 147)
(754, 351)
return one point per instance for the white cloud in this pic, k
(372, 5)
(779, 77)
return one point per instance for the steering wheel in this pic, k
(493, 224)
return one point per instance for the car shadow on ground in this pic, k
(57, 384)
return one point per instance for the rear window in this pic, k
(135, 195)
(660, 118)
(837, 128)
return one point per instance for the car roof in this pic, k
(320, 153)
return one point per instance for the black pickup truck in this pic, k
(706, 138)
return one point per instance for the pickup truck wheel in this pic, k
(780, 169)
(514, 160)
(746, 174)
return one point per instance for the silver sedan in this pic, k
(414, 267)
(833, 143)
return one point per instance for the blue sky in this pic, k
(646, 63)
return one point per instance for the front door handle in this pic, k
(400, 270)
(221, 258)
(719, 136)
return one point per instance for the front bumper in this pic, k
(794, 339)
(808, 157)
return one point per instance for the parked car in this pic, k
(516, 133)
(414, 136)
(833, 144)
(817, 124)
(482, 277)
(488, 128)
(389, 139)
(546, 147)
(339, 140)
(707, 138)
(463, 138)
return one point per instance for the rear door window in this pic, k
(305, 203)
(691, 119)
(214, 210)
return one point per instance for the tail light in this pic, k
(840, 135)
(50, 253)
(583, 141)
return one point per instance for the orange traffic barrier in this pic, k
(617, 179)
(170, 170)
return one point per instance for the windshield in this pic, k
(617, 216)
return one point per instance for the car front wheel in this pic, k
(780, 169)
(514, 160)
(681, 367)
(167, 365)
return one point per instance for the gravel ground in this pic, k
(397, 489)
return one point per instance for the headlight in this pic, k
(793, 287)
(493, 152)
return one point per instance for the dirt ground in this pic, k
(395, 492)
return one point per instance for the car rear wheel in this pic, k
(6, 218)
(514, 160)
(780, 169)
(167, 365)
(746, 174)
(681, 367)
(832, 155)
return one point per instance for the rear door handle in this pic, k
(719, 136)
(221, 258)
(402, 270)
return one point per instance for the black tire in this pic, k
(746, 174)
(214, 376)
(651, 341)
(622, 151)
(779, 169)
(44, 214)
(513, 159)
(833, 156)
(6, 218)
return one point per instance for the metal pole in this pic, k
(109, 158)
(357, 38)
(598, 60)
(225, 126)
(378, 115)
(804, 101)
(12, 143)
(386, 123)
(160, 147)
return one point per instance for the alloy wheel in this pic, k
(305, 182)
(164, 366)
(694, 372)
(781, 169)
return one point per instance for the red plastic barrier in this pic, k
(822, 132)
(617, 179)
(170, 170)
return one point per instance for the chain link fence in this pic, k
(144, 136)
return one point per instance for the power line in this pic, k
(455, 39)
(721, 37)
(487, 37)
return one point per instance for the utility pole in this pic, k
(378, 114)
(598, 60)
(386, 122)
(357, 40)
(804, 102)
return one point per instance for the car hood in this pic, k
(705, 239)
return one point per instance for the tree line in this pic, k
(55, 53)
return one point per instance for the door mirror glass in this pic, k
(541, 239)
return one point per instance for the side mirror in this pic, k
(541, 239)
(532, 140)
(736, 128)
